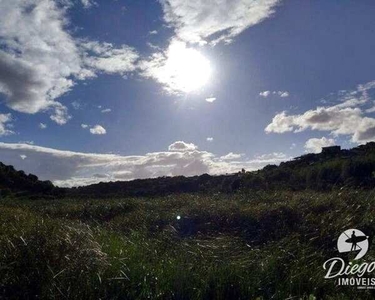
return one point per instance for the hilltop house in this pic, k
(331, 150)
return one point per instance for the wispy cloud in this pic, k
(104, 57)
(88, 3)
(76, 105)
(202, 21)
(345, 118)
(271, 158)
(282, 94)
(232, 156)
(60, 114)
(5, 120)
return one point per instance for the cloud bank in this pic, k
(345, 118)
(68, 168)
(41, 61)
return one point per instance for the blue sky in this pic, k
(115, 90)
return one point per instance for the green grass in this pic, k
(254, 246)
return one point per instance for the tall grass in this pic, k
(250, 246)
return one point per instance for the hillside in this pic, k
(18, 183)
(265, 235)
(331, 168)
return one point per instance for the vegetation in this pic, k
(245, 246)
(20, 184)
(320, 172)
(259, 235)
(353, 168)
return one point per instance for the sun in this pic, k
(186, 69)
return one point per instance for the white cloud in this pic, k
(315, 145)
(210, 139)
(60, 115)
(38, 57)
(105, 58)
(107, 110)
(76, 105)
(182, 146)
(23, 156)
(98, 129)
(41, 61)
(281, 123)
(371, 109)
(211, 99)
(42, 126)
(265, 94)
(88, 3)
(344, 118)
(335, 119)
(67, 168)
(153, 46)
(153, 32)
(5, 120)
(202, 21)
(232, 156)
(272, 157)
(282, 94)
(365, 132)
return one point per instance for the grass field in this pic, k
(253, 246)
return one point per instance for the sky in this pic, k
(94, 90)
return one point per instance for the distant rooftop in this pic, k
(331, 149)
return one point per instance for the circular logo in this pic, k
(353, 240)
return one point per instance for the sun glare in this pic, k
(186, 68)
